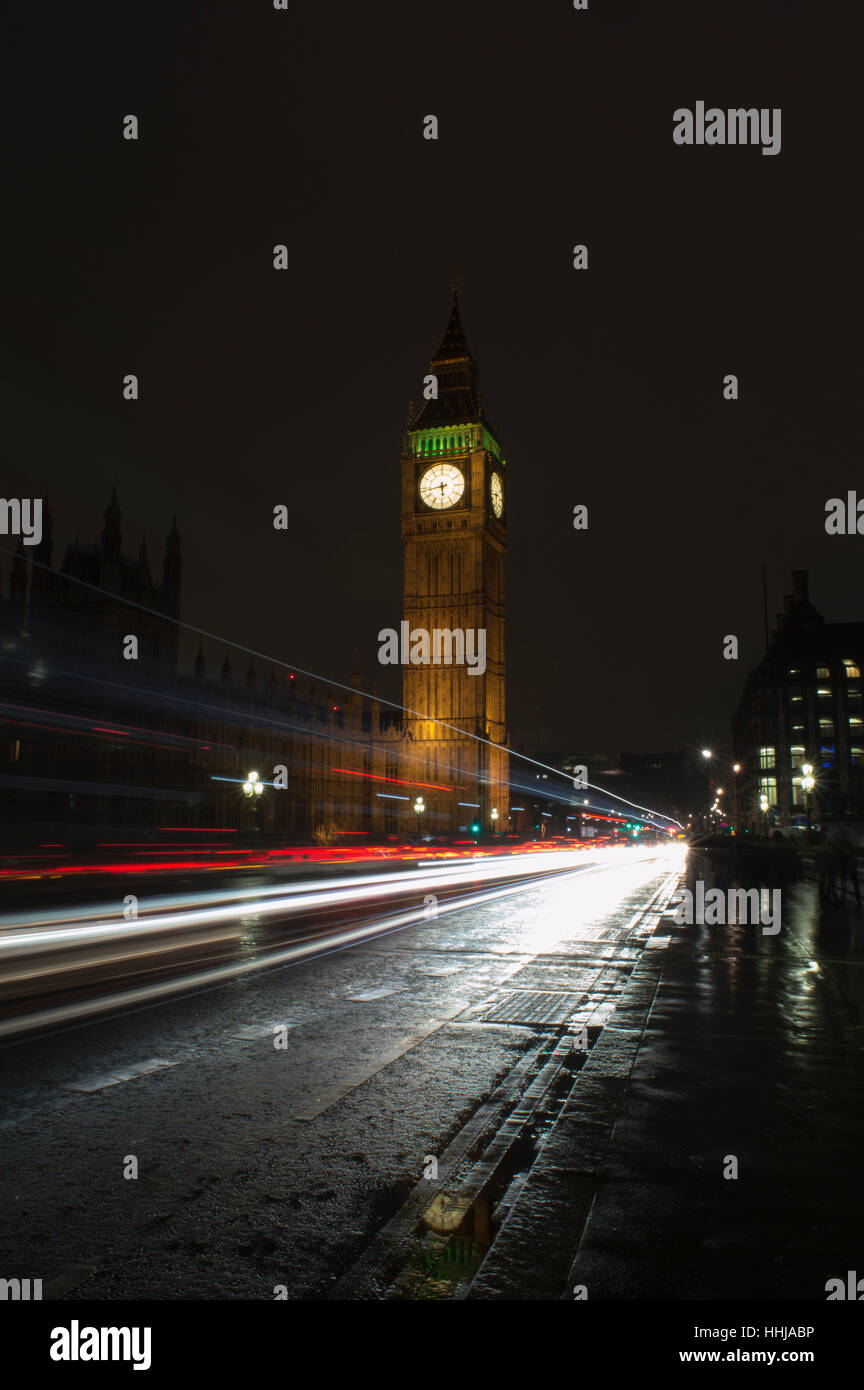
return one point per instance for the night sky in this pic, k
(606, 387)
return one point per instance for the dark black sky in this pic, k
(259, 387)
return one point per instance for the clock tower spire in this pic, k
(454, 492)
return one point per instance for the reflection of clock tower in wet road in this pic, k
(454, 513)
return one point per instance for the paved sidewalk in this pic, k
(727, 1044)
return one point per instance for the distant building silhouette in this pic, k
(94, 616)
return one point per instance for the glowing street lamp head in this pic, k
(419, 805)
(807, 769)
(494, 812)
(706, 752)
(736, 767)
(253, 785)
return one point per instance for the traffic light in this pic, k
(475, 829)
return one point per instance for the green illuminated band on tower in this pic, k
(453, 439)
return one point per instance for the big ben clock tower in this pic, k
(454, 514)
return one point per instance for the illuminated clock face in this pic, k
(441, 486)
(496, 492)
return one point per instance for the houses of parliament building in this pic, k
(92, 739)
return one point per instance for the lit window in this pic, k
(767, 757)
(794, 671)
(797, 754)
(826, 727)
(855, 722)
(824, 692)
(853, 695)
(856, 756)
(826, 754)
(795, 696)
(852, 669)
(768, 788)
(822, 673)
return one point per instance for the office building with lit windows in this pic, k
(802, 705)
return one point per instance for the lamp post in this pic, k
(419, 807)
(763, 807)
(253, 788)
(808, 782)
(736, 768)
(494, 814)
(708, 755)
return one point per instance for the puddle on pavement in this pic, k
(458, 1234)
(456, 1229)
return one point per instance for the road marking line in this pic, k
(116, 1078)
(369, 994)
(68, 1280)
(253, 1031)
(354, 1080)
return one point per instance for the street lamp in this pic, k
(808, 782)
(419, 807)
(494, 814)
(253, 787)
(763, 807)
(708, 755)
(736, 768)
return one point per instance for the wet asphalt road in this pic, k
(261, 1166)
